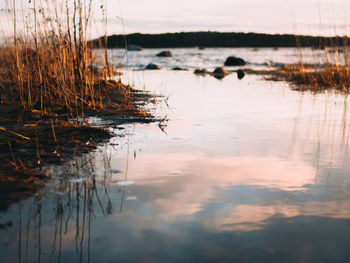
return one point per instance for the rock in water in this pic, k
(240, 74)
(152, 66)
(166, 54)
(135, 48)
(178, 68)
(234, 61)
(220, 73)
(201, 71)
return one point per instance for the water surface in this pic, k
(243, 171)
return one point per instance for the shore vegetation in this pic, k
(334, 74)
(51, 82)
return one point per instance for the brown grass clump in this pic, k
(317, 77)
(54, 67)
(49, 84)
(312, 77)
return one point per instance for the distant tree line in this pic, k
(217, 39)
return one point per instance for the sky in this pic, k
(269, 16)
(314, 17)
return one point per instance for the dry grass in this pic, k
(48, 85)
(315, 78)
(329, 70)
(50, 66)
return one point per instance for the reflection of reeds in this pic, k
(324, 134)
(331, 74)
(75, 206)
(50, 84)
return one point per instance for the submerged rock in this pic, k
(240, 74)
(220, 73)
(165, 53)
(152, 66)
(178, 68)
(135, 48)
(234, 61)
(201, 71)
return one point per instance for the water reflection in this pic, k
(55, 225)
(247, 171)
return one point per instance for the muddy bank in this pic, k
(31, 140)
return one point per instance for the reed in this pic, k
(48, 65)
(331, 73)
(49, 84)
(314, 78)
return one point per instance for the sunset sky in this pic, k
(272, 16)
(316, 17)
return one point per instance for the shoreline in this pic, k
(217, 39)
(30, 142)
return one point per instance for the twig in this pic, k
(15, 133)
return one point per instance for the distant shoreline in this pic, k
(218, 39)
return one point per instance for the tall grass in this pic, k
(47, 66)
(333, 72)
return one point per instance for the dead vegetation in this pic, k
(49, 86)
(331, 72)
(314, 77)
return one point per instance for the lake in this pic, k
(239, 171)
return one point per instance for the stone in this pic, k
(165, 53)
(135, 48)
(178, 68)
(240, 74)
(234, 61)
(220, 72)
(152, 66)
(201, 71)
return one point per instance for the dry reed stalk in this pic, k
(50, 68)
(319, 76)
